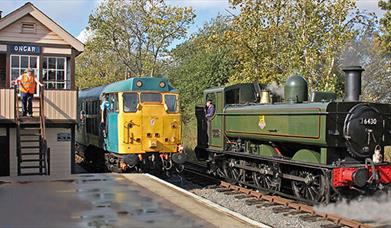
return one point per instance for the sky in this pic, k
(72, 15)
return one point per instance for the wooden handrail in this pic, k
(42, 113)
(16, 102)
(17, 118)
(43, 143)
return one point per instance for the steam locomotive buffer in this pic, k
(314, 150)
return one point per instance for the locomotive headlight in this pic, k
(139, 83)
(162, 84)
(174, 125)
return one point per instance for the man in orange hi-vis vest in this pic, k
(27, 84)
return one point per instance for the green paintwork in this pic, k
(216, 135)
(148, 84)
(278, 122)
(305, 155)
(323, 155)
(267, 151)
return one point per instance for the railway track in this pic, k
(196, 173)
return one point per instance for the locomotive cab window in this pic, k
(212, 97)
(232, 96)
(171, 102)
(130, 102)
(113, 99)
(151, 98)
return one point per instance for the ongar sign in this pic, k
(24, 49)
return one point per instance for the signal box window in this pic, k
(151, 97)
(171, 103)
(55, 73)
(130, 102)
(21, 62)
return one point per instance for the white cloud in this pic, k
(85, 35)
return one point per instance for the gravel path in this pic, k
(261, 213)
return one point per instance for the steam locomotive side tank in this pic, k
(315, 150)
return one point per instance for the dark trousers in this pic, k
(27, 103)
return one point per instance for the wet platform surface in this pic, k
(88, 200)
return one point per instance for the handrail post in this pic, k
(45, 151)
(17, 119)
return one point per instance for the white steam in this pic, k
(374, 210)
(276, 89)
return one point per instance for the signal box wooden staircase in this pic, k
(33, 154)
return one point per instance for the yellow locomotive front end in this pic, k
(150, 122)
(149, 130)
(140, 125)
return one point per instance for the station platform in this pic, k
(105, 200)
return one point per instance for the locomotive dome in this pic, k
(296, 89)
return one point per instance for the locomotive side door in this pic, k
(215, 125)
(112, 124)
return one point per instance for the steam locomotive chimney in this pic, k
(353, 83)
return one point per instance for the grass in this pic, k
(189, 138)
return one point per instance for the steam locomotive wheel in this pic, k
(262, 180)
(232, 174)
(311, 189)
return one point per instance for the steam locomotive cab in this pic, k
(313, 150)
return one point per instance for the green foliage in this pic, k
(386, 24)
(140, 31)
(274, 38)
(200, 63)
(98, 65)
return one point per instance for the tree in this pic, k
(98, 65)
(386, 24)
(366, 50)
(199, 63)
(275, 38)
(140, 31)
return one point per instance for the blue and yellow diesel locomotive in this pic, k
(139, 126)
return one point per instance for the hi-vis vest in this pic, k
(28, 84)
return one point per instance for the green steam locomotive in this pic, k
(314, 150)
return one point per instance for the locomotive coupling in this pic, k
(179, 157)
(131, 159)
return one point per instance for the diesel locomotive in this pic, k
(315, 149)
(138, 129)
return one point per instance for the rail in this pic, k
(196, 169)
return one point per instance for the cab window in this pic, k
(212, 97)
(130, 102)
(171, 103)
(151, 97)
(113, 99)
